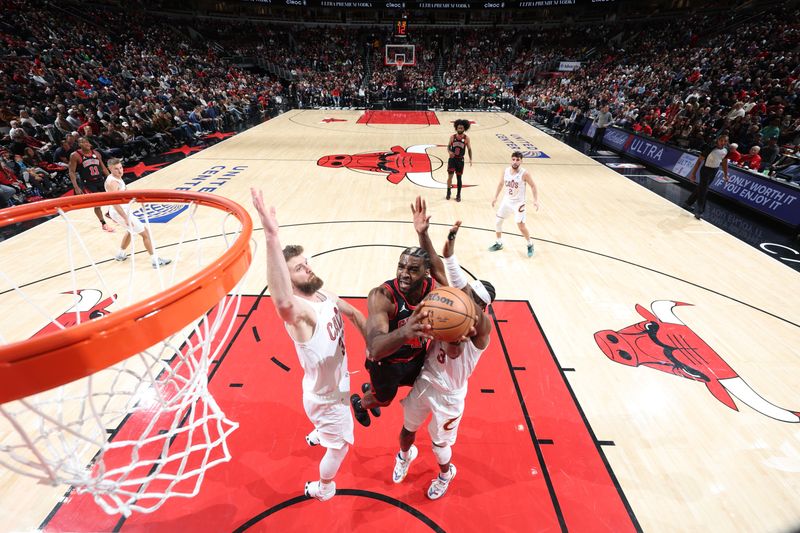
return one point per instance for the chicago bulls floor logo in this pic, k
(396, 163)
(664, 343)
(87, 307)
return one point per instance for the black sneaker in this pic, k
(458, 198)
(359, 412)
(376, 411)
(448, 195)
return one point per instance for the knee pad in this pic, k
(331, 461)
(443, 453)
(498, 225)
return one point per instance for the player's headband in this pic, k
(481, 291)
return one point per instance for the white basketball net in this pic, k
(142, 431)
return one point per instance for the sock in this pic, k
(325, 486)
(120, 252)
(500, 242)
(530, 242)
(445, 476)
(404, 455)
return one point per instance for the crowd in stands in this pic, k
(687, 82)
(131, 84)
(135, 83)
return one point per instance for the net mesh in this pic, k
(144, 430)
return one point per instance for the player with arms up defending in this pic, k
(441, 388)
(313, 319)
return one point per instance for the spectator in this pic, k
(752, 159)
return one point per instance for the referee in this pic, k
(712, 156)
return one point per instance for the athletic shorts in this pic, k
(386, 376)
(136, 225)
(507, 209)
(332, 420)
(445, 411)
(92, 186)
(455, 164)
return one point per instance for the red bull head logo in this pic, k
(396, 163)
(662, 342)
(87, 307)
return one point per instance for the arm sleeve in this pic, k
(457, 278)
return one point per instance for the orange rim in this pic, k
(63, 356)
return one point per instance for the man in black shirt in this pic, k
(711, 158)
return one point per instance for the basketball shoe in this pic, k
(314, 490)
(401, 465)
(312, 439)
(496, 246)
(361, 414)
(530, 250)
(160, 262)
(439, 486)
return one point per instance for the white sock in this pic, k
(530, 242)
(500, 242)
(404, 455)
(121, 252)
(325, 485)
(445, 475)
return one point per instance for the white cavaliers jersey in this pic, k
(122, 187)
(449, 375)
(323, 356)
(514, 185)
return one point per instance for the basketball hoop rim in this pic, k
(42, 363)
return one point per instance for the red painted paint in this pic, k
(500, 484)
(399, 117)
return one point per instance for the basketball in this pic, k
(452, 313)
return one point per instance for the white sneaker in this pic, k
(122, 256)
(160, 262)
(401, 465)
(439, 486)
(312, 439)
(314, 490)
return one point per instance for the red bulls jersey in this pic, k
(89, 166)
(458, 146)
(403, 310)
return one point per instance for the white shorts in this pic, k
(507, 209)
(446, 410)
(136, 224)
(333, 421)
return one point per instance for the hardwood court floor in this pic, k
(678, 452)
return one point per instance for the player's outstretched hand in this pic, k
(450, 243)
(269, 219)
(421, 217)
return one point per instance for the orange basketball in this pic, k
(452, 313)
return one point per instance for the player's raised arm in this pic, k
(280, 284)
(421, 225)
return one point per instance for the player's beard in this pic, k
(311, 286)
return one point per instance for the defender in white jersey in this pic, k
(441, 388)
(122, 216)
(514, 180)
(313, 319)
